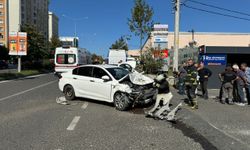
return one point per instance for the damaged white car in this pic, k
(108, 83)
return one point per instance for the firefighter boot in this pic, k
(195, 106)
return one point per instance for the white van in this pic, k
(116, 56)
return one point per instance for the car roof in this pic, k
(101, 66)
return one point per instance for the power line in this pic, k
(220, 8)
(216, 13)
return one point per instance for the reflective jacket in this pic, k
(191, 77)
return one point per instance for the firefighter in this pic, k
(163, 95)
(191, 83)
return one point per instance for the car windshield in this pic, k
(118, 73)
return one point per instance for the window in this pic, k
(99, 73)
(66, 59)
(85, 71)
(75, 71)
(118, 73)
(1, 5)
(1, 13)
(1, 29)
(1, 21)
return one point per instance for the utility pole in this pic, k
(176, 34)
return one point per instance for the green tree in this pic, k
(4, 53)
(151, 65)
(53, 44)
(97, 59)
(141, 20)
(120, 44)
(37, 45)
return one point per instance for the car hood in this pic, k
(139, 79)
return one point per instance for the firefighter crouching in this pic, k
(163, 95)
(191, 83)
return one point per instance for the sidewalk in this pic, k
(225, 126)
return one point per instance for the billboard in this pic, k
(13, 43)
(18, 43)
(215, 59)
(160, 27)
(160, 39)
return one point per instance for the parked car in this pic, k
(108, 83)
(3, 65)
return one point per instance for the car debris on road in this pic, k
(62, 100)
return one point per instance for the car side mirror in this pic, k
(105, 78)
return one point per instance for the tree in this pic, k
(37, 45)
(120, 44)
(4, 53)
(150, 64)
(53, 44)
(141, 20)
(96, 59)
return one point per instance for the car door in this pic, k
(82, 81)
(101, 89)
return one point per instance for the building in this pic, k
(134, 53)
(216, 58)
(190, 41)
(53, 25)
(69, 41)
(3, 23)
(201, 38)
(31, 12)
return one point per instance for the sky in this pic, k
(101, 22)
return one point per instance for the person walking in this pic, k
(191, 83)
(204, 73)
(240, 84)
(181, 76)
(244, 67)
(227, 78)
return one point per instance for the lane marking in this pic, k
(84, 105)
(20, 93)
(34, 76)
(73, 123)
(236, 139)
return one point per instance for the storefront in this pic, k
(217, 58)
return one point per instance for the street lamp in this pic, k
(75, 21)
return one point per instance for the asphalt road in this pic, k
(30, 119)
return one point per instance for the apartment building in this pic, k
(53, 25)
(32, 12)
(3, 23)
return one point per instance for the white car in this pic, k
(108, 83)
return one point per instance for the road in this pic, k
(32, 120)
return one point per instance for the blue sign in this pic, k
(215, 59)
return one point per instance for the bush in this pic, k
(150, 64)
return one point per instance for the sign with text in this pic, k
(18, 43)
(215, 60)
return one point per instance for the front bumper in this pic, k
(143, 96)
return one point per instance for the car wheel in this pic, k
(121, 101)
(69, 92)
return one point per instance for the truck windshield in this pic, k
(118, 73)
(66, 58)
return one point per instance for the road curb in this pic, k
(26, 77)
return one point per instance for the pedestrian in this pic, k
(240, 84)
(227, 78)
(204, 73)
(181, 77)
(246, 69)
(191, 83)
